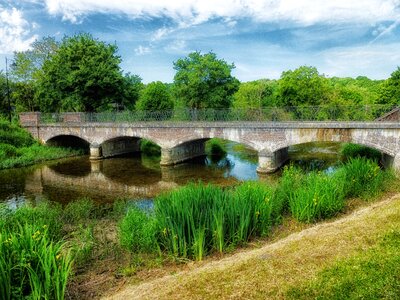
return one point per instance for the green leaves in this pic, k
(203, 81)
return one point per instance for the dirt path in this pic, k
(267, 272)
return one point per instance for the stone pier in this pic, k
(183, 152)
(270, 162)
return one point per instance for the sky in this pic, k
(262, 38)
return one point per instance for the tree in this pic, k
(255, 94)
(390, 90)
(131, 91)
(155, 96)
(303, 86)
(26, 69)
(203, 81)
(83, 75)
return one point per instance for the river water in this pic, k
(139, 177)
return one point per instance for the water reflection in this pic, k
(141, 177)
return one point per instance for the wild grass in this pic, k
(320, 196)
(32, 264)
(373, 274)
(200, 219)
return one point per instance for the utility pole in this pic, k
(8, 92)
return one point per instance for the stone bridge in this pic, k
(180, 141)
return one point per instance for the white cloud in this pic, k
(142, 50)
(15, 32)
(375, 61)
(305, 12)
(177, 47)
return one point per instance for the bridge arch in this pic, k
(68, 140)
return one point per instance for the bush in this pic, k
(7, 151)
(349, 151)
(14, 135)
(149, 148)
(215, 147)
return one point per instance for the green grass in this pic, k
(372, 274)
(19, 149)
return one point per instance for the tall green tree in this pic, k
(83, 75)
(26, 69)
(204, 81)
(155, 97)
(303, 86)
(390, 90)
(255, 94)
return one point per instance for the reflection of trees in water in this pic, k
(76, 167)
(129, 171)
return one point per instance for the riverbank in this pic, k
(19, 149)
(287, 267)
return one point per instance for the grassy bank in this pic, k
(19, 149)
(198, 220)
(102, 246)
(341, 255)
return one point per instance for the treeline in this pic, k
(81, 73)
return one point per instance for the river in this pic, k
(141, 178)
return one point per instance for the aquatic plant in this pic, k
(216, 147)
(350, 150)
(31, 264)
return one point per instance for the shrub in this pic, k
(349, 151)
(7, 151)
(149, 148)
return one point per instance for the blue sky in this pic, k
(262, 37)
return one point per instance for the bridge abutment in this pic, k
(270, 162)
(181, 153)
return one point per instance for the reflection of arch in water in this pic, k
(76, 167)
(129, 171)
(69, 141)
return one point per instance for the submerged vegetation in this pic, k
(19, 149)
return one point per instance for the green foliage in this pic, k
(372, 274)
(363, 178)
(197, 219)
(155, 97)
(31, 265)
(203, 81)
(319, 196)
(149, 148)
(302, 86)
(14, 135)
(83, 75)
(349, 150)
(215, 147)
(137, 231)
(390, 90)
(255, 94)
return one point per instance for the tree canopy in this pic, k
(155, 97)
(302, 86)
(204, 81)
(390, 90)
(83, 75)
